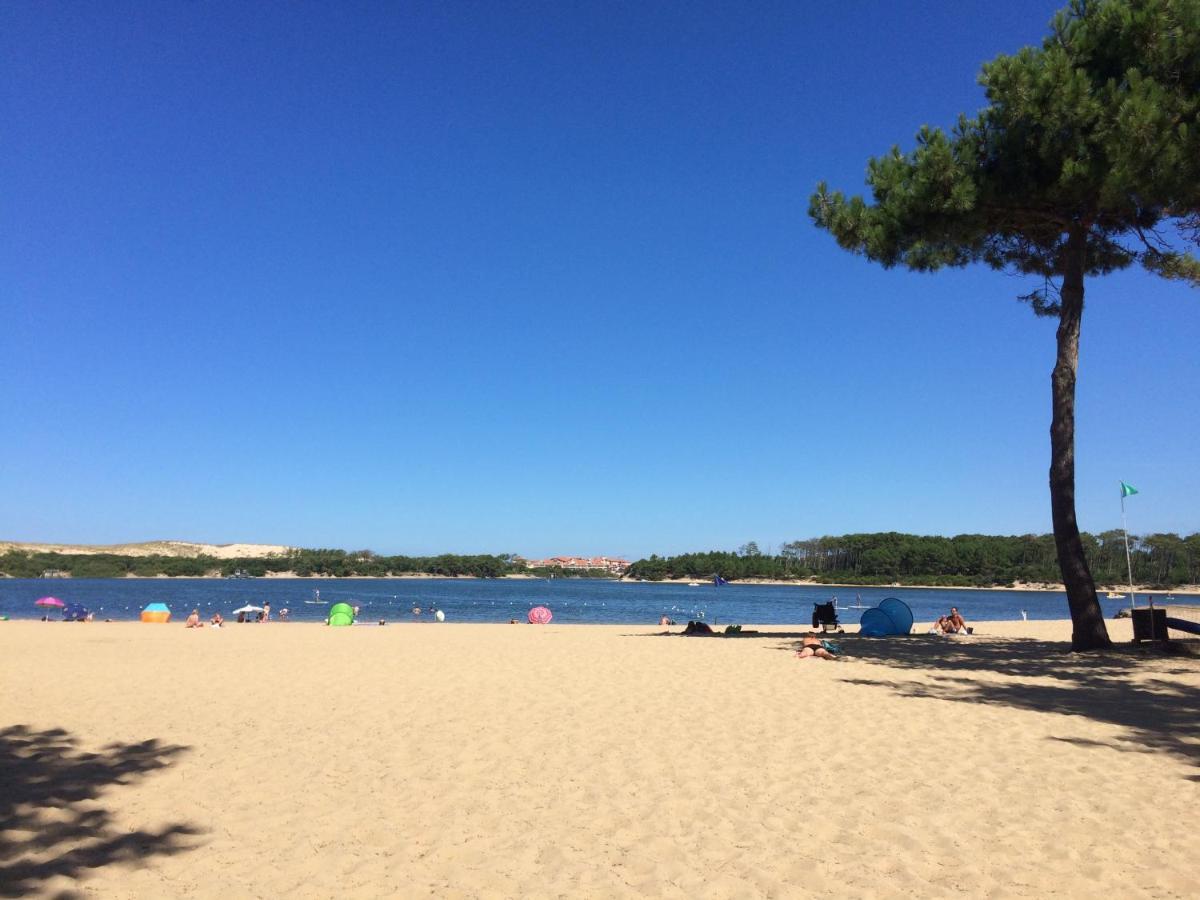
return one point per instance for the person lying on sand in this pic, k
(193, 621)
(813, 646)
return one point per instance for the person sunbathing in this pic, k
(953, 623)
(217, 620)
(813, 646)
(193, 621)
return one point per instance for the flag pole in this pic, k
(1128, 560)
(1128, 490)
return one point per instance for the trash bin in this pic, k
(1149, 624)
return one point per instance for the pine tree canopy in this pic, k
(1096, 133)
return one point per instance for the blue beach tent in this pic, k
(875, 623)
(74, 612)
(890, 617)
(899, 613)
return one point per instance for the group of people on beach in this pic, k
(951, 624)
(812, 646)
(217, 620)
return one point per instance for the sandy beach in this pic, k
(590, 761)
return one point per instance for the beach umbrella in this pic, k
(248, 609)
(156, 612)
(540, 615)
(48, 603)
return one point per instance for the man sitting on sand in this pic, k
(193, 621)
(217, 620)
(951, 624)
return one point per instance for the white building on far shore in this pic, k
(580, 563)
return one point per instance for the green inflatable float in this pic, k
(340, 614)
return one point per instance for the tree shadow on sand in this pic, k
(51, 820)
(1139, 688)
(1149, 692)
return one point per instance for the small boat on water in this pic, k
(1112, 595)
(693, 584)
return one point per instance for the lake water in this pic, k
(572, 600)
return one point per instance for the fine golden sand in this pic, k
(590, 761)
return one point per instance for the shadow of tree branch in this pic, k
(51, 823)
(1159, 711)
(1141, 688)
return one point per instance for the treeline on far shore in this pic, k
(967, 560)
(300, 562)
(974, 560)
(303, 563)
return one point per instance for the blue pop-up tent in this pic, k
(899, 613)
(891, 617)
(74, 612)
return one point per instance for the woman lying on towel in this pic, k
(813, 646)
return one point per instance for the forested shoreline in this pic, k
(300, 562)
(968, 560)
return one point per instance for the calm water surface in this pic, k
(572, 601)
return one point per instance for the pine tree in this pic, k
(1086, 160)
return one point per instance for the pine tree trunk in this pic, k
(1088, 631)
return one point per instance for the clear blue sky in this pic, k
(531, 277)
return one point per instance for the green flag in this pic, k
(1127, 490)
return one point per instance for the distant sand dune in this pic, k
(154, 548)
